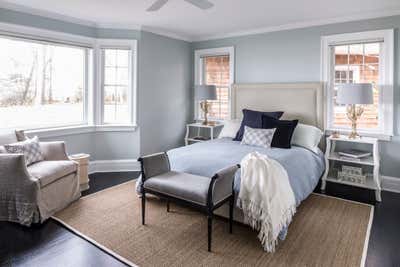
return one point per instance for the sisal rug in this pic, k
(325, 231)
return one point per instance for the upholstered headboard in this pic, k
(302, 101)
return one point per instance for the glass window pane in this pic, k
(41, 85)
(123, 58)
(362, 67)
(110, 76)
(216, 72)
(122, 76)
(110, 57)
(116, 80)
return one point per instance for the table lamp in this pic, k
(354, 95)
(203, 93)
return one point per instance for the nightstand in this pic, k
(199, 128)
(369, 165)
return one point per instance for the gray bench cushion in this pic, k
(189, 187)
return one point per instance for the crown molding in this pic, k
(299, 25)
(46, 14)
(119, 26)
(167, 33)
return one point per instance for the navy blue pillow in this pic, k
(253, 119)
(284, 131)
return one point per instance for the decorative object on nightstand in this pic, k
(83, 169)
(354, 95)
(203, 93)
(199, 127)
(358, 168)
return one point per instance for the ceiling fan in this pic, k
(202, 4)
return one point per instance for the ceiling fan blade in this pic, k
(157, 5)
(203, 4)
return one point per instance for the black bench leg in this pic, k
(143, 206)
(167, 205)
(231, 206)
(209, 217)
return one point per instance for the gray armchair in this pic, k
(31, 194)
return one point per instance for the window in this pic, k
(215, 67)
(42, 84)
(357, 63)
(116, 86)
(117, 70)
(53, 83)
(365, 57)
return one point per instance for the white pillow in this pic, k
(231, 127)
(307, 136)
(258, 137)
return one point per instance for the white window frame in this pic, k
(198, 71)
(132, 88)
(92, 95)
(386, 73)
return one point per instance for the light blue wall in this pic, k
(164, 81)
(294, 56)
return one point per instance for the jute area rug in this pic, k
(325, 231)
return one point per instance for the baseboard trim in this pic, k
(391, 184)
(121, 165)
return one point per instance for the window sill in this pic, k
(379, 136)
(116, 128)
(80, 129)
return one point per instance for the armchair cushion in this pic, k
(48, 172)
(189, 187)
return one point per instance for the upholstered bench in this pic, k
(202, 193)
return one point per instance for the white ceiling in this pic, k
(226, 18)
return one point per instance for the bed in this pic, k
(302, 101)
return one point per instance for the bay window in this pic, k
(53, 83)
(42, 84)
(365, 57)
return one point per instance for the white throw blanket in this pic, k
(266, 197)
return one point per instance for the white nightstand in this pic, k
(332, 158)
(211, 128)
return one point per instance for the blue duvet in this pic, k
(304, 167)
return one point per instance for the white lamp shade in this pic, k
(355, 93)
(205, 92)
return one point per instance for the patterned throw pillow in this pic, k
(258, 137)
(30, 148)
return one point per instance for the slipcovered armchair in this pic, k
(31, 194)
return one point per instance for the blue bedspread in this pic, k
(304, 167)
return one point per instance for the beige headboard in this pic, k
(302, 101)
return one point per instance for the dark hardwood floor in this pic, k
(53, 245)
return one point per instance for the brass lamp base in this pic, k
(353, 114)
(205, 106)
